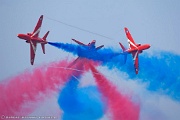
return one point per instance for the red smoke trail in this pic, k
(121, 107)
(18, 94)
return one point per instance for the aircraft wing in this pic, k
(78, 42)
(74, 62)
(136, 62)
(33, 46)
(99, 47)
(38, 27)
(131, 42)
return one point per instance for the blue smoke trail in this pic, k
(161, 71)
(80, 103)
(66, 47)
(102, 55)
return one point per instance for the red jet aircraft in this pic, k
(91, 45)
(134, 49)
(90, 48)
(33, 39)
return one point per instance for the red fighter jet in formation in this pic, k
(89, 48)
(91, 45)
(134, 49)
(33, 39)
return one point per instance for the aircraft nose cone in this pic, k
(18, 35)
(126, 30)
(21, 36)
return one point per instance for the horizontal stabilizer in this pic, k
(124, 52)
(125, 58)
(43, 47)
(43, 44)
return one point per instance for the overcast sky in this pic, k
(155, 22)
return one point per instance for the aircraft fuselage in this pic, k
(88, 52)
(28, 38)
(139, 48)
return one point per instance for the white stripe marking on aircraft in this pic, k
(135, 56)
(34, 48)
(38, 30)
(132, 43)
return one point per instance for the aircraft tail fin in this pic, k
(45, 41)
(45, 36)
(124, 52)
(123, 48)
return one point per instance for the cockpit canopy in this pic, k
(29, 34)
